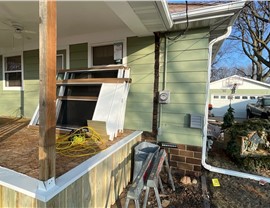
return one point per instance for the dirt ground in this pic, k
(19, 152)
(233, 192)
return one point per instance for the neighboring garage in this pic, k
(235, 90)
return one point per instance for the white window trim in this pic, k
(66, 48)
(62, 57)
(90, 51)
(3, 71)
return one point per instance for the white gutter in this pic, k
(165, 14)
(208, 12)
(205, 165)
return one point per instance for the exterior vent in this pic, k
(196, 121)
(164, 96)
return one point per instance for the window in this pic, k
(59, 61)
(13, 72)
(252, 97)
(222, 97)
(108, 54)
(216, 96)
(103, 55)
(244, 97)
(237, 97)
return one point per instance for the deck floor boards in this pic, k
(19, 148)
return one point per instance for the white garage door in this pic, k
(221, 104)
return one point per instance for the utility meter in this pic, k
(164, 96)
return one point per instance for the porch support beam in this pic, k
(47, 93)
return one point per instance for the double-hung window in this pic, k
(13, 72)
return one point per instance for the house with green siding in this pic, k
(167, 47)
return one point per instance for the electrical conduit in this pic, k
(204, 164)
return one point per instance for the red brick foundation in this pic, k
(186, 159)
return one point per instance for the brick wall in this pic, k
(186, 159)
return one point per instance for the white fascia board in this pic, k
(123, 10)
(203, 18)
(256, 82)
(209, 12)
(164, 12)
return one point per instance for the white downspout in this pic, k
(204, 164)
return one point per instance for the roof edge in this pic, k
(244, 78)
(209, 12)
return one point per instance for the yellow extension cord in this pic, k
(83, 141)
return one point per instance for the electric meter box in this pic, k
(164, 97)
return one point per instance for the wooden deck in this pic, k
(96, 181)
(19, 148)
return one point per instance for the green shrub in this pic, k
(228, 118)
(237, 130)
(255, 163)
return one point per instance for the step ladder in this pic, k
(114, 80)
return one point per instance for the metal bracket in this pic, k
(46, 185)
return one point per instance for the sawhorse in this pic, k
(149, 177)
(154, 179)
(136, 188)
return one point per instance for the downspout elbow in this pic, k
(204, 164)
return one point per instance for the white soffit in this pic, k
(126, 14)
(143, 17)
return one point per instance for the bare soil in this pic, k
(233, 192)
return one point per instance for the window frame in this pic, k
(62, 61)
(4, 72)
(91, 54)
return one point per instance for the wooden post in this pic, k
(47, 93)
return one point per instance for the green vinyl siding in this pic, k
(195, 108)
(1, 73)
(175, 118)
(191, 66)
(23, 103)
(184, 138)
(187, 98)
(141, 59)
(11, 100)
(188, 88)
(186, 78)
(31, 82)
(78, 55)
(141, 88)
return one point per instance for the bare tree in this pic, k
(253, 30)
(223, 72)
